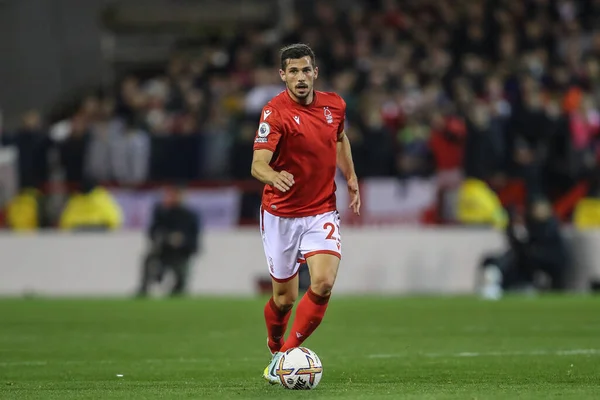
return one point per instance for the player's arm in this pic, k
(344, 150)
(266, 141)
(344, 156)
(346, 165)
(262, 171)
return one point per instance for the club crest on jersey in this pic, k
(328, 115)
(264, 129)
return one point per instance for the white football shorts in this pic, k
(288, 242)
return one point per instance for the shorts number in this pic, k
(331, 227)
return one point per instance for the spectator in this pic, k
(131, 156)
(584, 125)
(414, 157)
(241, 157)
(74, 148)
(24, 212)
(131, 100)
(266, 87)
(586, 215)
(485, 147)
(104, 139)
(478, 205)
(372, 146)
(447, 142)
(33, 146)
(91, 208)
(216, 144)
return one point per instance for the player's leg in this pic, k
(311, 308)
(277, 314)
(281, 240)
(278, 310)
(321, 246)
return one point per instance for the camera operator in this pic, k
(174, 234)
(535, 245)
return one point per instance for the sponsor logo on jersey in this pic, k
(297, 119)
(266, 114)
(263, 130)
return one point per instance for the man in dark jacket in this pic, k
(545, 248)
(33, 145)
(535, 246)
(174, 234)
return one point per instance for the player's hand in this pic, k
(283, 181)
(354, 195)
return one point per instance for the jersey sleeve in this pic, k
(269, 130)
(342, 124)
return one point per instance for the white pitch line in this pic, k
(465, 354)
(37, 363)
(493, 354)
(22, 363)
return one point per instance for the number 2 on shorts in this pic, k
(331, 227)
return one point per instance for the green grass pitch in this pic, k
(371, 348)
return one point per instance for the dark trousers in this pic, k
(519, 269)
(154, 268)
(554, 268)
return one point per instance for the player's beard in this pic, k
(301, 92)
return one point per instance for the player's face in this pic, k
(299, 77)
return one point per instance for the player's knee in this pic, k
(285, 302)
(323, 285)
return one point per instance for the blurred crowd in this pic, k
(496, 89)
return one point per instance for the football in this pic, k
(299, 369)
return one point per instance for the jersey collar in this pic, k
(301, 106)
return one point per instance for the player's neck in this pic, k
(303, 102)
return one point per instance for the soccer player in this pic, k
(299, 142)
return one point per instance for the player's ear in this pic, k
(282, 75)
(316, 74)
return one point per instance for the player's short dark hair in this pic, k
(294, 51)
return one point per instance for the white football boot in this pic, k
(269, 372)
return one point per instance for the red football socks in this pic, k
(309, 315)
(277, 321)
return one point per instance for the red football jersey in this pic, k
(303, 139)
